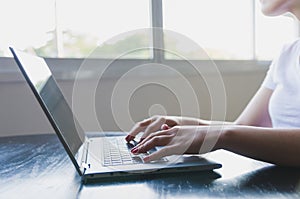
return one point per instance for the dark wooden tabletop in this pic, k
(37, 166)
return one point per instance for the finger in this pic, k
(156, 134)
(153, 142)
(164, 127)
(139, 127)
(153, 127)
(166, 151)
(171, 122)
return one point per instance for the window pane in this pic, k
(223, 28)
(27, 25)
(272, 33)
(85, 24)
(68, 28)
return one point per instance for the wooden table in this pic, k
(36, 166)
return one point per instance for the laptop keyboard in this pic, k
(117, 152)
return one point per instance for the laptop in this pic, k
(95, 158)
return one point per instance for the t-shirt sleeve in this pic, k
(269, 79)
(276, 65)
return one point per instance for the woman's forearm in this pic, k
(196, 121)
(278, 146)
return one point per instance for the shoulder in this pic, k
(293, 46)
(287, 58)
(288, 52)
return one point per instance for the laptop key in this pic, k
(117, 152)
(137, 160)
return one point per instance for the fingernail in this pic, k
(134, 150)
(129, 138)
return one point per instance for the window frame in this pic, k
(67, 66)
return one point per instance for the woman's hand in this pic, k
(180, 140)
(153, 124)
(157, 123)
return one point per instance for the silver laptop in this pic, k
(96, 158)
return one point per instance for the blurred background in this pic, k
(232, 34)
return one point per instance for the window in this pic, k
(226, 30)
(85, 24)
(68, 28)
(27, 25)
(222, 28)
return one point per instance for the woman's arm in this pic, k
(278, 146)
(256, 113)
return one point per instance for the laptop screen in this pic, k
(46, 90)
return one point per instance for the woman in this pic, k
(268, 129)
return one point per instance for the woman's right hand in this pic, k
(157, 123)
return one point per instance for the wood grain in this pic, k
(36, 166)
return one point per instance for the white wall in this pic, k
(21, 114)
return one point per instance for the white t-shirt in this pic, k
(283, 78)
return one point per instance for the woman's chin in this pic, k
(273, 12)
(275, 7)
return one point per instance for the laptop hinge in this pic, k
(84, 163)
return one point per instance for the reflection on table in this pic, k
(37, 166)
